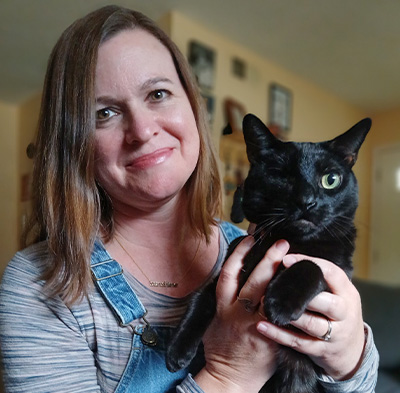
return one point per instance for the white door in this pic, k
(385, 223)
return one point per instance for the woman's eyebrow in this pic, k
(106, 99)
(152, 81)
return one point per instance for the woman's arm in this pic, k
(43, 348)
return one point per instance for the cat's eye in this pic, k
(331, 180)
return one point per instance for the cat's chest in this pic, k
(331, 250)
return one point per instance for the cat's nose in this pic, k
(310, 205)
(307, 201)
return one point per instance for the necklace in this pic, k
(161, 284)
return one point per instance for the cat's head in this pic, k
(301, 190)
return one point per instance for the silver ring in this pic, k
(327, 335)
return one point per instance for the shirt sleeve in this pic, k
(43, 348)
(189, 385)
(364, 380)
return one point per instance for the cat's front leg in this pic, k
(187, 338)
(289, 293)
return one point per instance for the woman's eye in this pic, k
(331, 180)
(105, 114)
(158, 95)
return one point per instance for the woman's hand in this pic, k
(238, 357)
(341, 355)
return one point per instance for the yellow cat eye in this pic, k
(331, 180)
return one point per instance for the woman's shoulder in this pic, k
(23, 295)
(27, 264)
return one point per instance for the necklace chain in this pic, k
(163, 284)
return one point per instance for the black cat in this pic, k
(307, 194)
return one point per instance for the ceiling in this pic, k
(348, 47)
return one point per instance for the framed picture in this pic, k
(202, 60)
(235, 112)
(210, 104)
(239, 68)
(280, 107)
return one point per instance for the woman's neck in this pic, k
(158, 245)
(166, 224)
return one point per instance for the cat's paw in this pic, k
(178, 358)
(288, 295)
(282, 310)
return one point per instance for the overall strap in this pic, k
(230, 231)
(110, 281)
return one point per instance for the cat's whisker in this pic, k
(259, 233)
(268, 229)
(339, 232)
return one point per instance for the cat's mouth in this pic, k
(304, 225)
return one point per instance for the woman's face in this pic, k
(146, 140)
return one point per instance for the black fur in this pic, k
(288, 195)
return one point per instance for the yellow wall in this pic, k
(386, 128)
(9, 183)
(17, 129)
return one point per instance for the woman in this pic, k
(125, 171)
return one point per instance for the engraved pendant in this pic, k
(163, 284)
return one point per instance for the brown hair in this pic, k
(69, 207)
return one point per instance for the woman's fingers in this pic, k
(228, 281)
(329, 304)
(317, 326)
(332, 304)
(296, 340)
(334, 275)
(254, 288)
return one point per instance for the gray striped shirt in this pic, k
(50, 348)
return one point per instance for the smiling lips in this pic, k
(148, 160)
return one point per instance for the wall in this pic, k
(386, 128)
(17, 129)
(29, 113)
(9, 182)
(317, 115)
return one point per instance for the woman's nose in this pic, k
(140, 126)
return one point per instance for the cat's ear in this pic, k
(350, 142)
(257, 136)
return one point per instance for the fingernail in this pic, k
(282, 245)
(289, 260)
(262, 327)
(249, 240)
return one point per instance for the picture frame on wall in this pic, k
(210, 105)
(280, 107)
(202, 60)
(239, 68)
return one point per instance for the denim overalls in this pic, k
(145, 370)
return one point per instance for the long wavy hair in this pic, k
(70, 209)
